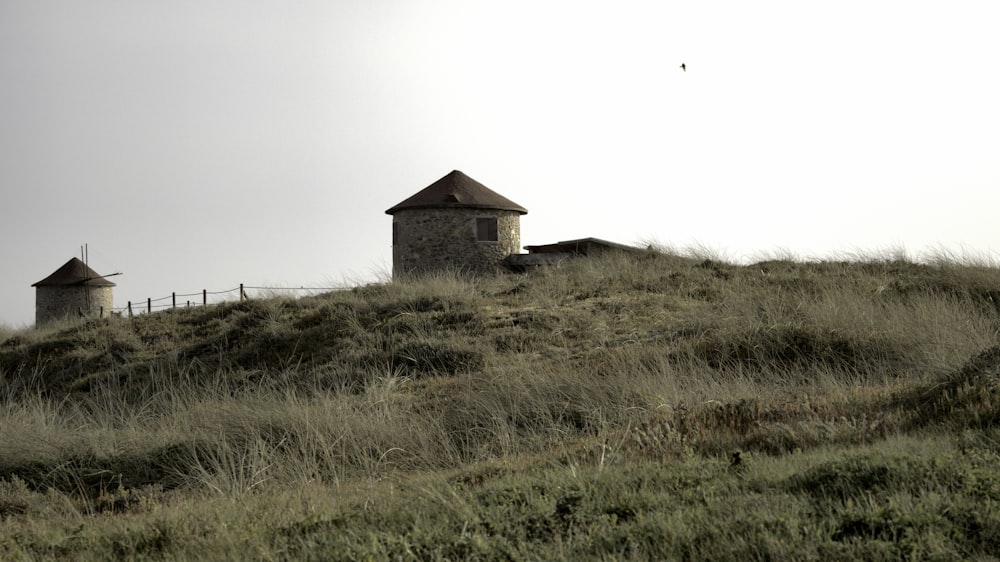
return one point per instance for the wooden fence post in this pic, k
(204, 297)
(149, 305)
(130, 309)
(174, 299)
(242, 294)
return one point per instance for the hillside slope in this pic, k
(808, 386)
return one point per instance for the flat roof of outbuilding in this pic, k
(580, 246)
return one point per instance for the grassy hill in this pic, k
(633, 407)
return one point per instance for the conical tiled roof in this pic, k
(75, 272)
(458, 190)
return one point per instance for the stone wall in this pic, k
(59, 302)
(445, 239)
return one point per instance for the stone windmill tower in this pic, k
(456, 223)
(72, 291)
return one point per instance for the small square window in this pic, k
(486, 229)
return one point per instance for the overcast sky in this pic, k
(200, 144)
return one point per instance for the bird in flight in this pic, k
(684, 67)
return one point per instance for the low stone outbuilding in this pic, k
(456, 224)
(583, 247)
(551, 254)
(73, 290)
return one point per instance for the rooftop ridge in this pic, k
(74, 272)
(457, 190)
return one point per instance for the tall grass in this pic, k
(495, 417)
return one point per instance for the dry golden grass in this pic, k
(628, 407)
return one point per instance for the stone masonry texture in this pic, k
(59, 302)
(445, 239)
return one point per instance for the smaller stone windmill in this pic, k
(73, 290)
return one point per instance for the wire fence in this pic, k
(206, 298)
